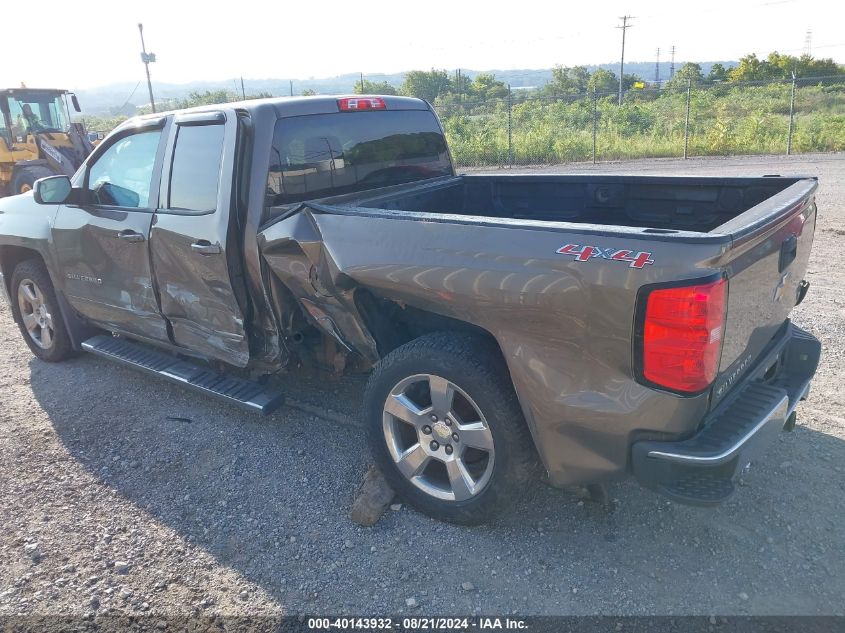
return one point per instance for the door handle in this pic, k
(130, 236)
(204, 247)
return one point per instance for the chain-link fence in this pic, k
(777, 117)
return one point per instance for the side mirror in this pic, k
(52, 190)
(75, 103)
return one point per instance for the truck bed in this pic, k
(656, 202)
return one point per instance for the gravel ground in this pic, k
(122, 494)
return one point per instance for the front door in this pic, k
(102, 244)
(195, 252)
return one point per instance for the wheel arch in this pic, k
(35, 162)
(393, 323)
(10, 257)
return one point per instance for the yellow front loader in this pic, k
(37, 138)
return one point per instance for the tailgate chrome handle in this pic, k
(129, 235)
(788, 252)
(204, 247)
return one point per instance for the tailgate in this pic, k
(766, 264)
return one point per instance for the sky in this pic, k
(96, 42)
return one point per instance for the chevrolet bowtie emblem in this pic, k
(779, 289)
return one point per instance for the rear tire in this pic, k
(484, 456)
(25, 178)
(37, 312)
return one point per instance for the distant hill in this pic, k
(539, 77)
(125, 96)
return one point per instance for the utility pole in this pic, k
(243, 92)
(595, 122)
(657, 69)
(459, 82)
(362, 83)
(291, 87)
(625, 26)
(808, 43)
(147, 59)
(672, 64)
(686, 119)
(510, 127)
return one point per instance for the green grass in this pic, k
(723, 121)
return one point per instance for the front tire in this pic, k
(37, 313)
(446, 429)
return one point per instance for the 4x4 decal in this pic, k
(585, 253)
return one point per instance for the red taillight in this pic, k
(354, 104)
(682, 336)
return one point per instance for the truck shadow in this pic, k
(269, 497)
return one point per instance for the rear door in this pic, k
(102, 245)
(194, 239)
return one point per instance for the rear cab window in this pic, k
(321, 155)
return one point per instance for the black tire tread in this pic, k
(35, 270)
(473, 355)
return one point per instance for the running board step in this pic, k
(245, 393)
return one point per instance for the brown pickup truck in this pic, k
(606, 325)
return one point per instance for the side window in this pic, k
(195, 173)
(123, 175)
(19, 130)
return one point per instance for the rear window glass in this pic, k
(321, 155)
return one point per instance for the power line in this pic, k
(795, 50)
(131, 94)
(624, 26)
(528, 39)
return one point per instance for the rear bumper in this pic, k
(700, 470)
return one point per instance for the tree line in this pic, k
(441, 88)
(445, 90)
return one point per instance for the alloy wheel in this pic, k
(438, 437)
(35, 314)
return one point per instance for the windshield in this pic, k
(321, 155)
(35, 111)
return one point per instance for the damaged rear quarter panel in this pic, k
(564, 327)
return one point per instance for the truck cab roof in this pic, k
(290, 106)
